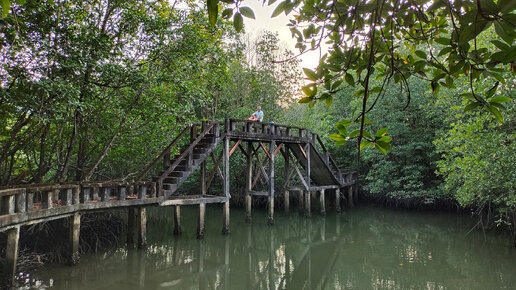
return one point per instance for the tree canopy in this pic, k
(393, 40)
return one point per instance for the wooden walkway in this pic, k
(309, 170)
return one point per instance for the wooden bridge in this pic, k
(308, 168)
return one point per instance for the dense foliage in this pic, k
(94, 90)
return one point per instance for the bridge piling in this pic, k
(322, 202)
(177, 220)
(11, 255)
(225, 218)
(200, 221)
(337, 200)
(249, 183)
(350, 196)
(142, 227)
(270, 200)
(75, 230)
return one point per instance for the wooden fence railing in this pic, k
(43, 201)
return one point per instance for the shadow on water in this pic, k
(366, 248)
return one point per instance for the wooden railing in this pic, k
(250, 127)
(187, 154)
(43, 201)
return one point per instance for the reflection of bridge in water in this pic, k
(309, 170)
(263, 259)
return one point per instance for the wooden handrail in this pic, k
(165, 152)
(326, 151)
(185, 153)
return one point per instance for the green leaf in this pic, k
(364, 144)
(329, 100)
(6, 6)
(385, 139)
(381, 132)
(336, 137)
(213, 11)
(421, 54)
(228, 12)
(342, 130)
(305, 100)
(310, 74)
(381, 149)
(495, 112)
(472, 106)
(506, 5)
(247, 12)
(367, 135)
(500, 99)
(354, 133)
(350, 80)
(442, 40)
(280, 8)
(238, 21)
(343, 123)
(500, 45)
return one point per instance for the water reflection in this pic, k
(365, 248)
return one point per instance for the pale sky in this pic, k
(277, 24)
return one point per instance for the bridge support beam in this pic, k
(142, 227)
(337, 200)
(177, 220)
(225, 218)
(249, 183)
(200, 221)
(75, 231)
(11, 256)
(270, 200)
(322, 202)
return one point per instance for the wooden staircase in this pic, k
(178, 168)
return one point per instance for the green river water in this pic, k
(362, 248)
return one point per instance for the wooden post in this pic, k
(287, 201)
(308, 165)
(177, 220)
(225, 218)
(75, 231)
(226, 169)
(203, 178)
(322, 202)
(76, 193)
(270, 212)
(11, 255)
(142, 227)
(350, 196)
(270, 217)
(248, 208)
(200, 225)
(21, 201)
(131, 225)
(337, 200)
(249, 182)
(308, 207)
(286, 171)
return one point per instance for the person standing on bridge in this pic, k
(256, 116)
